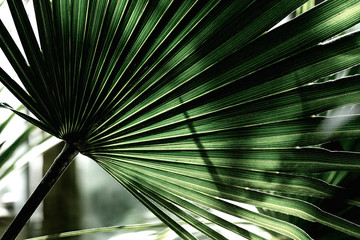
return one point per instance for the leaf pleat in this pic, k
(283, 183)
(308, 160)
(50, 54)
(164, 91)
(194, 187)
(183, 215)
(217, 99)
(216, 203)
(34, 57)
(154, 209)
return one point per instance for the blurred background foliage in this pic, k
(77, 201)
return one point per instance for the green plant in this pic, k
(16, 153)
(194, 106)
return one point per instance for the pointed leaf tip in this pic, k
(5, 105)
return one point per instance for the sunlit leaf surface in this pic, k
(198, 105)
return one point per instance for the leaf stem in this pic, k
(55, 171)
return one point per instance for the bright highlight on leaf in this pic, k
(196, 105)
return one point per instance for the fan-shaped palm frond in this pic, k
(195, 105)
(343, 179)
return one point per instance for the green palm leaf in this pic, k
(17, 151)
(195, 105)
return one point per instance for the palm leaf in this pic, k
(344, 179)
(195, 105)
(16, 152)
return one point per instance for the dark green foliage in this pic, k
(191, 104)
